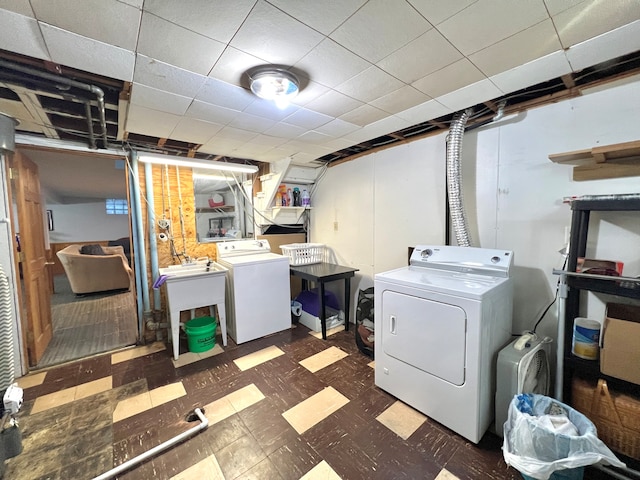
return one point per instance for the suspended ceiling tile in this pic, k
(285, 130)
(177, 46)
(232, 66)
(217, 19)
(163, 76)
(333, 103)
(221, 146)
(239, 134)
(108, 21)
(437, 11)
(308, 119)
(268, 140)
(424, 112)
(488, 21)
(556, 6)
(338, 144)
(84, 53)
(449, 78)
(314, 137)
(211, 113)
(401, 99)
(369, 85)
(595, 17)
(272, 35)
(146, 121)
(251, 151)
(523, 47)
(268, 109)
(192, 130)
(22, 35)
(537, 71)
(470, 95)
(23, 7)
(134, 3)
(363, 115)
(338, 128)
(322, 16)
(379, 28)
(331, 64)
(426, 54)
(310, 92)
(386, 125)
(302, 158)
(621, 41)
(252, 123)
(159, 99)
(217, 92)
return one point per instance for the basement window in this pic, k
(117, 206)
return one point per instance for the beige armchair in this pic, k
(96, 273)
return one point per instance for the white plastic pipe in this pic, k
(204, 423)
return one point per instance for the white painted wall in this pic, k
(513, 194)
(85, 222)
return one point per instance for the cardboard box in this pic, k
(620, 352)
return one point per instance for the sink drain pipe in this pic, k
(454, 178)
(204, 423)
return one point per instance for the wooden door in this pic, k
(36, 288)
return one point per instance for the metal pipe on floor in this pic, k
(204, 423)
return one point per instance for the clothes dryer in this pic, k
(440, 323)
(257, 292)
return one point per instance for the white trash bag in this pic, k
(543, 435)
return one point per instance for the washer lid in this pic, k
(254, 258)
(236, 248)
(466, 285)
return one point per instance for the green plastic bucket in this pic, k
(201, 334)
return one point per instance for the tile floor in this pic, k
(289, 406)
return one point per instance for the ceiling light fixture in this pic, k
(196, 163)
(275, 84)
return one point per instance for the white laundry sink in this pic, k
(191, 286)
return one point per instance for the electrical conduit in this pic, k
(141, 253)
(454, 178)
(153, 242)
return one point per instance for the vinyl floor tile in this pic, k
(315, 409)
(137, 352)
(322, 471)
(239, 457)
(401, 419)
(249, 435)
(207, 469)
(323, 359)
(330, 331)
(256, 358)
(31, 380)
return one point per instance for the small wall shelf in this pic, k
(608, 161)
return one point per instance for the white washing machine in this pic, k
(258, 298)
(440, 323)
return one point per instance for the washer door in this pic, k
(426, 334)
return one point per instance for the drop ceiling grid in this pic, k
(366, 60)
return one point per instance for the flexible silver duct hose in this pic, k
(454, 178)
(6, 335)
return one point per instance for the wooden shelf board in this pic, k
(607, 161)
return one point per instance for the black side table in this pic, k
(321, 273)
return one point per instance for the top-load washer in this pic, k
(440, 323)
(258, 298)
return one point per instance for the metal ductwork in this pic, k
(454, 178)
(58, 79)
